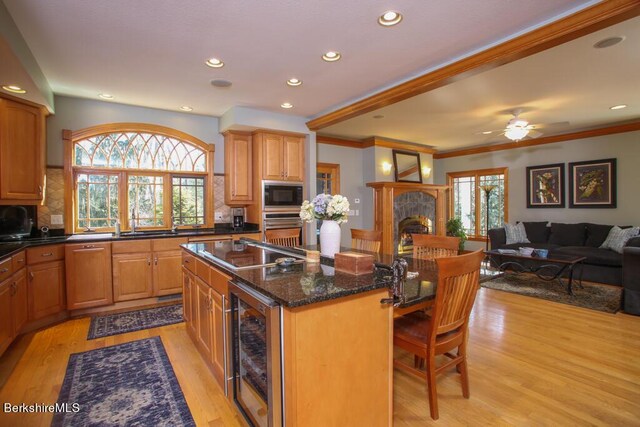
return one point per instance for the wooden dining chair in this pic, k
(429, 246)
(366, 240)
(445, 328)
(283, 236)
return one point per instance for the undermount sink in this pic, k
(147, 233)
(91, 236)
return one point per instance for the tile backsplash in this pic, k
(54, 199)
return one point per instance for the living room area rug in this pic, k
(129, 384)
(120, 323)
(605, 298)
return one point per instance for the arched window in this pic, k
(140, 175)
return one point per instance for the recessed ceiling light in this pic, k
(214, 62)
(608, 42)
(286, 105)
(618, 107)
(487, 132)
(294, 82)
(13, 89)
(221, 83)
(378, 116)
(105, 95)
(331, 56)
(389, 18)
(186, 108)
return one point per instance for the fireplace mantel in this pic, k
(384, 194)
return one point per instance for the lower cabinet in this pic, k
(45, 283)
(204, 318)
(88, 274)
(166, 272)
(13, 308)
(132, 276)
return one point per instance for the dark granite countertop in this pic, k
(12, 247)
(309, 283)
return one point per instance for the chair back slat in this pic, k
(366, 240)
(283, 236)
(458, 282)
(429, 246)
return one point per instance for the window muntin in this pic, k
(96, 200)
(468, 200)
(188, 200)
(139, 150)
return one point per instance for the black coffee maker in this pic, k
(238, 217)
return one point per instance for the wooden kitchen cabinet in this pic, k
(217, 336)
(282, 156)
(203, 318)
(186, 296)
(6, 322)
(19, 303)
(238, 169)
(45, 283)
(132, 276)
(88, 275)
(166, 273)
(22, 152)
(13, 308)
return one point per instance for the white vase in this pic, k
(329, 238)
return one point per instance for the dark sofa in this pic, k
(583, 239)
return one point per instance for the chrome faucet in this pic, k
(174, 226)
(133, 220)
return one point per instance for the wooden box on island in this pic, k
(354, 263)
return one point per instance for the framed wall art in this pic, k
(545, 186)
(592, 184)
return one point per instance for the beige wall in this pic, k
(625, 147)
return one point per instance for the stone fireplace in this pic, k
(403, 208)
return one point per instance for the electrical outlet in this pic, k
(56, 220)
(218, 216)
(356, 201)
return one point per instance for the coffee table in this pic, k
(551, 268)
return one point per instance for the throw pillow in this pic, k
(618, 237)
(537, 232)
(516, 233)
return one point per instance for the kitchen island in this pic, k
(335, 337)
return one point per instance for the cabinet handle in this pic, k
(40, 190)
(149, 261)
(155, 261)
(88, 246)
(14, 288)
(286, 174)
(47, 254)
(20, 261)
(31, 276)
(186, 261)
(3, 270)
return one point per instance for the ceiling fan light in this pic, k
(516, 133)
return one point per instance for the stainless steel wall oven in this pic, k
(257, 356)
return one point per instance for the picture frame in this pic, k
(545, 186)
(592, 184)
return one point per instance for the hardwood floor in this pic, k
(531, 362)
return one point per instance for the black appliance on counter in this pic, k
(282, 195)
(237, 214)
(16, 222)
(256, 349)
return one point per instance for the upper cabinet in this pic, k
(282, 156)
(22, 152)
(238, 169)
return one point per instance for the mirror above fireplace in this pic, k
(406, 166)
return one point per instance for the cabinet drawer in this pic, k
(169, 244)
(5, 268)
(18, 261)
(202, 271)
(134, 246)
(45, 254)
(219, 281)
(189, 262)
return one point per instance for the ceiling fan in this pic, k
(518, 128)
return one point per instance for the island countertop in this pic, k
(309, 283)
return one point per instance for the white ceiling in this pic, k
(573, 82)
(151, 52)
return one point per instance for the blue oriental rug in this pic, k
(120, 323)
(131, 384)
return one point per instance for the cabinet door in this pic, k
(186, 297)
(293, 148)
(193, 326)
(238, 169)
(166, 273)
(45, 289)
(217, 337)
(88, 274)
(19, 301)
(21, 143)
(132, 276)
(272, 166)
(203, 319)
(6, 324)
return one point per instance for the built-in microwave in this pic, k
(282, 195)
